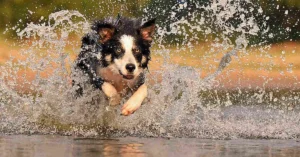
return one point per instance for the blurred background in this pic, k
(20, 12)
(279, 18)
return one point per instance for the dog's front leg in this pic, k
(135, 101)
(110, 91)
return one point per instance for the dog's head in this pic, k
(126, 45)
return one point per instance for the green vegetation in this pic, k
(283, 26)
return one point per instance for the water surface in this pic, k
(66, 146)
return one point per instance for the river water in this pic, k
(65, 146)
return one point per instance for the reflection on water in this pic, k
(61, 146)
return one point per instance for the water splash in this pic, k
(36, 95)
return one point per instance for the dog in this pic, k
(114, 57)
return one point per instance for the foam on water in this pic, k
(180, 103)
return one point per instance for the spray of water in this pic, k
(180, 103)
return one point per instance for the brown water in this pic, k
(63, 146)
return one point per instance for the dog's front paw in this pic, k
(129, 107)
(114, 100)
(135, 101)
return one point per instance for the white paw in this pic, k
(129, 107)
(111, 93)
(135, 101)
(109, 90)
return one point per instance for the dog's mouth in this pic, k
(128, 76)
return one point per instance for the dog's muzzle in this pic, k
(128, 76)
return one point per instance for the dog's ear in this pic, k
(147, 30)
(106, 32)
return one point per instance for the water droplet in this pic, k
(286, 12)
(290, 68)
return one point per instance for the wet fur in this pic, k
(103, 62)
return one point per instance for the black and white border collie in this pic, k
(114, 56)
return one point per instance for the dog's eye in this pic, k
(136, 50)
(119, 50)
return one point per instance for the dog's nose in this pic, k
(130, 67)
